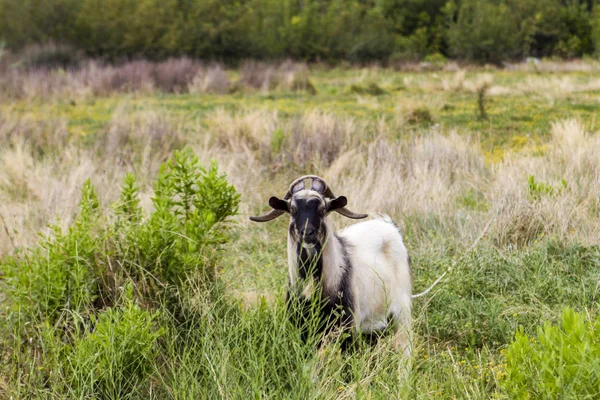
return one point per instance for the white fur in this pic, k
(380, 276)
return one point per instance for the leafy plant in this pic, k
(186, 228)
(117, 357)
(559, 362)
(538, 190)
(62, 272)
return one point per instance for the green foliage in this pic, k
(437, 59)
(331, 30)
(116, 358)
(79, 270)
(559, 362)
(419, 115)
(489, 293)
(484, 31)
(538, 190)
(473, 200)
(65, 294)
(186, 229)
(595, 24)
(62, 272)
(278, 138)
(481, 101)
(372, 89)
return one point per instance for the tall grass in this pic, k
(145, 284)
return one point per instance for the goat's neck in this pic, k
(326, 261)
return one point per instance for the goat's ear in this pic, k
(278, 204)
(337, 203)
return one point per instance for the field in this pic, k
(492, 175)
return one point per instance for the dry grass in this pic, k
(434, 177)
(427, 176)
(213, 79)
(549, 66)
(262, 76)
(90, 78)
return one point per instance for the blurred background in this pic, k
(387, 31)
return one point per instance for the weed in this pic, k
(538, 190)
(371, 89)
(419, 115)
(116, 358)
(560, 361)
(482, 101)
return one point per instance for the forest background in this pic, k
(359, 31)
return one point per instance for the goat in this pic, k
(361, 272)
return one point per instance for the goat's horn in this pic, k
(344, 211)
(295, 186)
(347, 213)
(271, 215)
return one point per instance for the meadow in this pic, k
(129, 268)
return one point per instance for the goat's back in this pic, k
(381, 277)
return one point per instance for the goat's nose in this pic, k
(308, 232)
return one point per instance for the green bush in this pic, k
(116, 358)
(371, 89)
(559, 362)
(63, 271)
(315, 30)
(484, 31)
(188, 224)
(79, 269)
(419, 115)
(67, 324)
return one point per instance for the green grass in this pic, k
(166, 302)
(510, 116)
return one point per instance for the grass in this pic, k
(510, 205)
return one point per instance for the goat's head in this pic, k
(308, 208)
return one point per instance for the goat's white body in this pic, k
(380, 278)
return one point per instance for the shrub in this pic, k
(175, 74)
(131, 76)
(258, 75)
(372, 89)
(294, 76)
(538, 190)
(559, 362)
(65, 320)
(212, 80)
(185, 231)
(419, 115)
(482, 101)
(114, 360)
(62, 272)
(51, 55)
(81, 269)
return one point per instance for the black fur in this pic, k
(336, 306)
(307, 264)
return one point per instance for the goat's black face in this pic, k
(308, 216)
(307, 220)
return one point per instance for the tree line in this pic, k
(312, 30)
